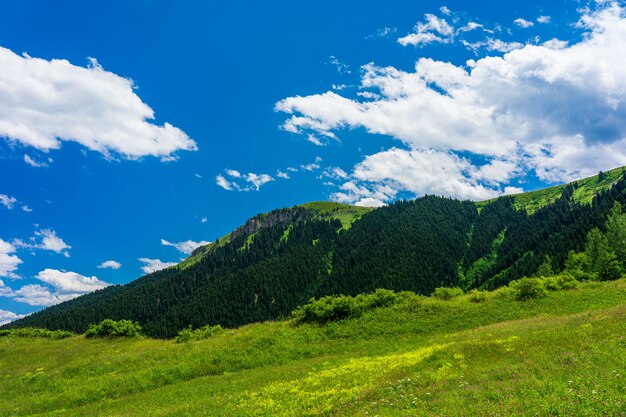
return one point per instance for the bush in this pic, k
(476, 296)
(189, 334)
(338, 307)
(505, 293)
(37, 333)
(528, 288)
(445, 293)
(112, 328)
(564, 281)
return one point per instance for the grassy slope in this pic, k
(345, 213)
(564, 354)
(588, 188)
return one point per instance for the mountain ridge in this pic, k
(278, 260)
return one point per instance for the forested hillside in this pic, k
(279, 260)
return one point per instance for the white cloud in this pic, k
(444, 10)
(4, 290)
(523, 23)
(282, 174)
(9, 316)
(258, 180)
(423, 172)
(556, 110)
(37, 164)
(544, 19)
(470, 26)
(48, 241)
(203, 220)
(434, 29)
(10, 202)
(7, 201)
(68, 282)
(185, 247)
(39, 295)
(8, 262)
(233, 173)
(60, 286)
(110, 264)
(43, 103)
(223, 182)
(341, 67)
(335, 173)
(152, 265)
(242, 182)
(382, 33)
(491, 44)
(310, 167)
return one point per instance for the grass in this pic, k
(345, 213)
(587, 189)
(563, 354)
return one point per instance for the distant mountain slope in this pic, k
(278, 260)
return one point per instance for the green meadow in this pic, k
(481, 354)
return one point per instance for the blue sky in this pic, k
(133, 130)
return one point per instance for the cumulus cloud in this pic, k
(523, 23)
(68, 282)
(235, 181)
(40, 295)
(8, 261)
(153, 265)
(9, 316)
(556, 110)
(185, 247)
(43, 103)
(59, 286)
(110, 264)
(4, 290)
(433, 29)
(48, 240)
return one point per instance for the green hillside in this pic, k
(561, 354)
(584, 191)
(278, 260)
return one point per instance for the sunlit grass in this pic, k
(422, 357)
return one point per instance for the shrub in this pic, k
(505, 293)
(476, 296)
(528, 288)
(189, 334)
(112, 328)
(338, 307)
(564, 281)
(37, 333)
(445, 293)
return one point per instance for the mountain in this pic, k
(279, 260)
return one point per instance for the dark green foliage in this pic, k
(37, 332)
(280, 260)
(402, 247)
(190, 334)
(112, 328)
(338, 307)
(446, 293)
